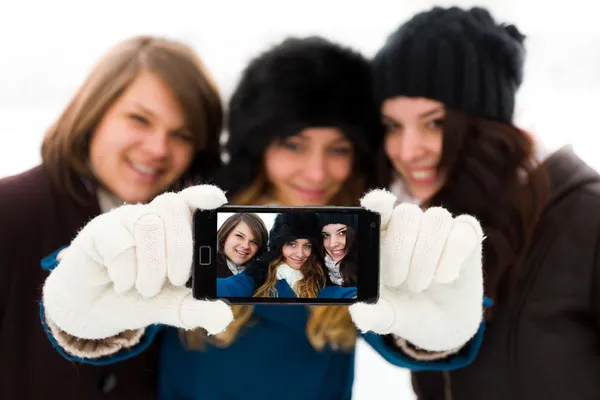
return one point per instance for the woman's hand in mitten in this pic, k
(127, 269)
(431, 279)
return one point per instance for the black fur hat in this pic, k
(299, 83)
(461, 58)
(291, 226)
(348, 219)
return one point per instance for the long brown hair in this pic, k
(66, 144)
(491, 173)
(349, 264)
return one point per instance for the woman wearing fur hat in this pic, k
(300, 120)
(446, 83)
(338, 232)
(292, 265)
(241, 238)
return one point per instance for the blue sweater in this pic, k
(271, 358)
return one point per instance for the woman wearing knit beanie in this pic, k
(446, 83)
(340, 251)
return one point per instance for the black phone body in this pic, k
(359, 281)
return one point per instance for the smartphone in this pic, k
(286, 255)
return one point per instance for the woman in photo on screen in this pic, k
(340, 250)
(292, 265)
(241, 238)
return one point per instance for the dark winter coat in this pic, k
(35, 220)
(546, 345)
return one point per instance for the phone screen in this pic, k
(316, 255)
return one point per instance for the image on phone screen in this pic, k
(298, 255)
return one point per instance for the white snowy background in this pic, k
(48, 47)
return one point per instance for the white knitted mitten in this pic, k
(127, 269)
(431, 283)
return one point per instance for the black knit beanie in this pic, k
(298, 84)
(461, 58)
(350, 220)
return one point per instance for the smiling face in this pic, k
(413, 142)
(141, 145)
(310, 168)
(334, 240)
(296, 252)
(240, 246)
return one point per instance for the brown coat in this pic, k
(546, 345)
(35, 220)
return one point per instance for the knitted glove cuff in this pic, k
(419, 354)
(92, 349)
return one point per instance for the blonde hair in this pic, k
(327, 325)
(308, 287)
(66, 144)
